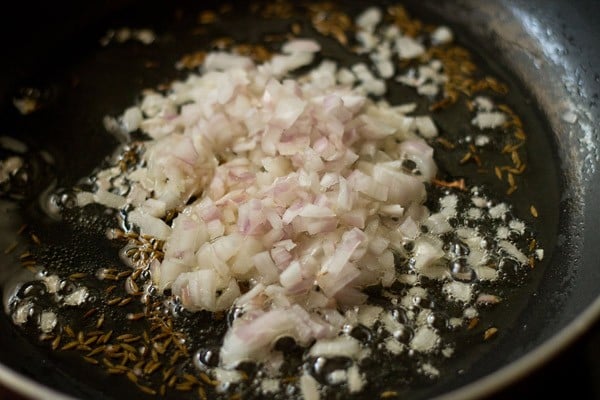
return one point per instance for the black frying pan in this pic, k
(545, 50)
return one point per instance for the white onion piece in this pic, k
(338, 347)
(422, 154)
(514, 252)
(301, 45)
(309, 387)
(150, 225)
(197, 289)
(224, 61)
(109, 199)
(252, 339)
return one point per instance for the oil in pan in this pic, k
(93, 302)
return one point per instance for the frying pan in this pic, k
(546, 50)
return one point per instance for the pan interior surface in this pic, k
(521, 45)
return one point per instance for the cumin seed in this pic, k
(489, 333)
(11, 247)
(70, 345)
(90, 360)
(146, 389)
(533, 211)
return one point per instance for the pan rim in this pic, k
(529, 362)
(483, 386)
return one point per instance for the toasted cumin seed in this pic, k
(35, 239)
(132, 339)
(137, 368)
(167, 373)
(125, 301)
(533, 211)
(498, 172)
(106, 337)
(96, 351)
(175, 357)
(123, 274)
(110, 289)
(90, 360)
(100, 321)
(45, 336)
(90, 312)
(511, 190)
(69, 331)
(515, 159)
(115, 355)
(126, 357)
(387, 394)
(191, 378)
(70, 345)
(129, 347)
(134, 286)
(172, 381)
(21, 229)
(83, 347)
(489, 333)
(114, 301)
(146, 389)
(56, 342)
(90, 340)
(113, 348)
(202, 393)
(28, 263)
(519, 134)
(511, 179)
(159, 347)
(150, 370)
(132, 377)
(132, 357)
(135, 317)
(11, 247)
(532, 244)
(160, 337)
(77, 275)
(473, 323)
(206, 379)
(115, 371)
(136, 274)
(183, 387)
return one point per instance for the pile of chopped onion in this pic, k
(303, 188)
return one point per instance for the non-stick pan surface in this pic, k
(544, 50)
